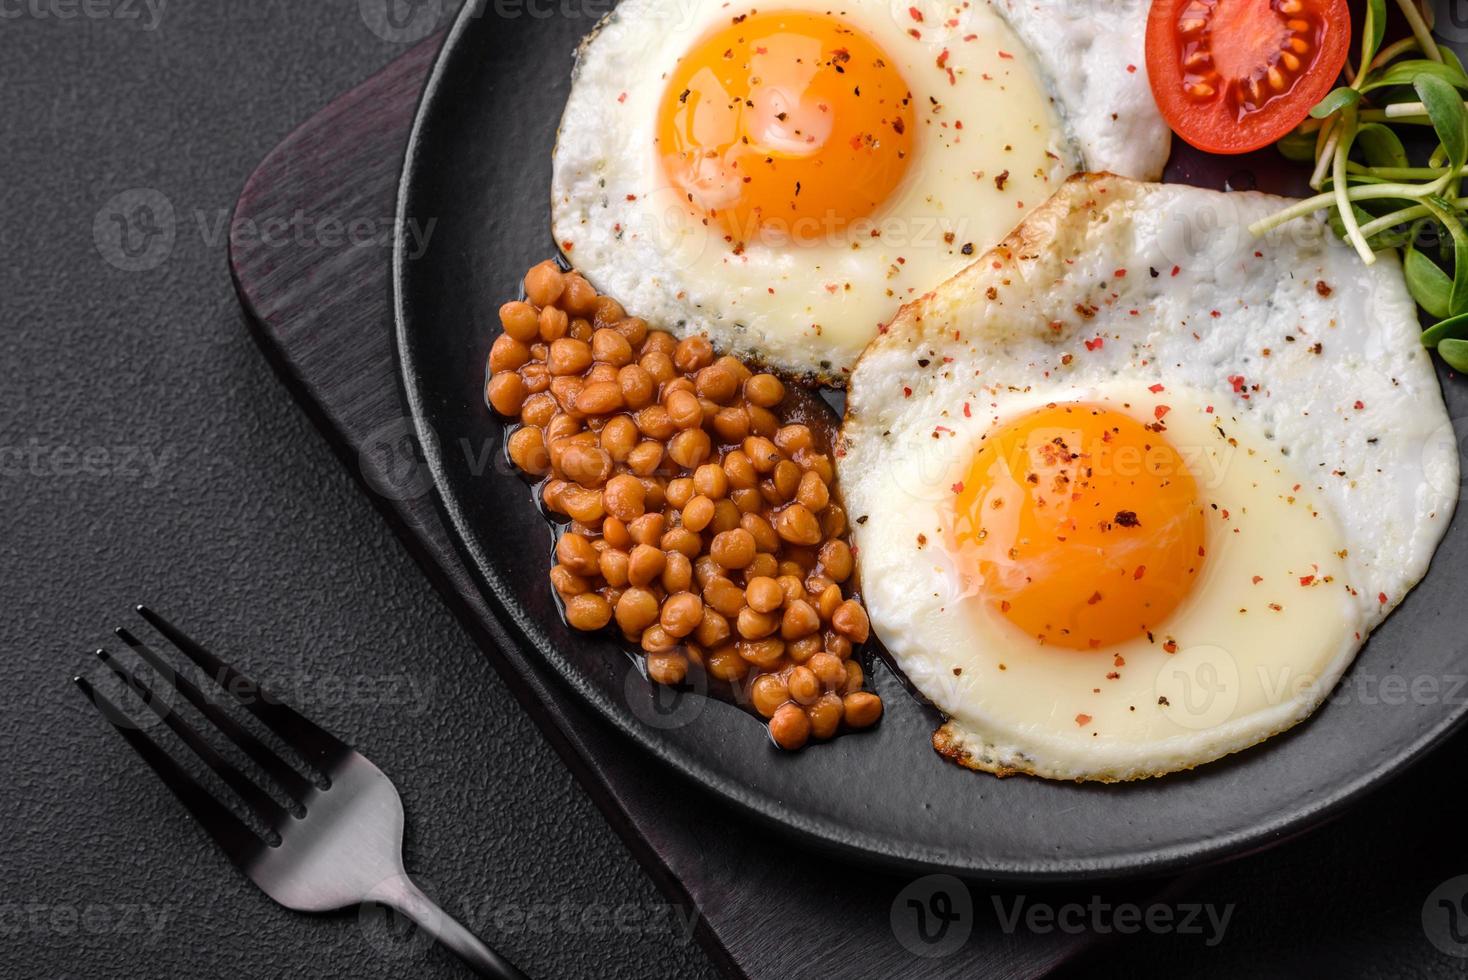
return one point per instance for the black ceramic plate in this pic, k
(478, 169)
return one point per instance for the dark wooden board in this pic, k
(322, 318)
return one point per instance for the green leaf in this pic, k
(1455, 354)
(1445, 108)
(1337, 100)
(1429, 285)
(1373, 29)
(1382, 146)
(1453, 328)
(1408, 72)
(1453, 61)
(1298, 147)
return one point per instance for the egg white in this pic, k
(1343, 464)
(1060, 91)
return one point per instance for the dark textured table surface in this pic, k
(147, 452)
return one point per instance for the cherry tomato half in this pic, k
(1231, 76)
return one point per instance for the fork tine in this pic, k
(238, 841)
(295, 785)
(265, 808)
(319, 746)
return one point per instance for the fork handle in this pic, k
(409, 899)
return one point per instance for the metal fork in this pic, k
(339, 840)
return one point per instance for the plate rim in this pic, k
(831, 835)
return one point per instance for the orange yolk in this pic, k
(1084, 525)
(793, 122)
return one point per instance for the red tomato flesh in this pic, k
(1231, 76)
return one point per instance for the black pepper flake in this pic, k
(1163, 702)
(797, 188)
(898, 126)
(1127, 518)
(1000, 181)
(968, 248)
(923, 362)
(1153, 272)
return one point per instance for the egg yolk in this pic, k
(1084, 526)
(794, 122)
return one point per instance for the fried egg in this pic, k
(783, 178)
(1130, 492)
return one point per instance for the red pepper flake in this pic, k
(1237, 380)
(1006, 55)
(1258, 579)
(1306, 579)
(915, 14)
(567, 245)
(1176, 269)
(958, 487)
(1160, 411)
(914, 32)
(966, 413)
(1083, 720)
(1170, 646)
(906, 392)
(1004, 605)
(1096, 344)
(1119, 661)
(1323, 288)
(1131, 69)
(622, 97)
(1141, 570)
(1215, 314)
(943, 58)
(1120, 274)
(1360, 405)
(1381, 598)
(1155, 389)
(1209, 409)
(942, 428)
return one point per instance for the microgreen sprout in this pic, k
(1370, 184)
